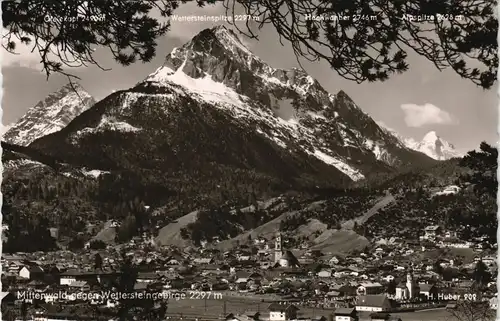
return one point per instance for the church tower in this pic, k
(410, 284)
(278, 248)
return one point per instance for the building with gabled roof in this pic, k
(282, 311)
(346, 314)
(373, 303)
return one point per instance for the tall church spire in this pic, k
(278, 247)
(410, 283)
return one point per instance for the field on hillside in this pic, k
(171, 233)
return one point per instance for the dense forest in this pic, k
(42, 199)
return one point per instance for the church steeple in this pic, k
(278, 247)
(410, 283)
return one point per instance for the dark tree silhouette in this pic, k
(373, 42)
(363, 40)
(24, 310)
(71, 30)
(437, 268)
(391, 287)
(471, 311)
(483, 177)
(126, 283)
(8, 314)
(97, 261)
(481, 275)
(97, 245)
(483, 164)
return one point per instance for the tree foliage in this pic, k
(481, 275)
(28, 236)
(374, 42)
(97, 261)
(371, 44)
(472, 311)
(126, 284)
(471, 213)
(483, 164)
(67, 32)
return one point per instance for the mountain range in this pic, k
(214, 101)
(213, 124)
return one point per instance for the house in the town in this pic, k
(282, 311)
(203, 261)
(68, 277)
(401, 291)
(389, 278)
(334, 261)
(324, 273)
(31, 272)
(253, 315)
(382, 316)
(429, 291)
(14, 266)
(346, 314)
(494, 303)
(431, 231)
(147, 277)
(370, 288)
(373, 303)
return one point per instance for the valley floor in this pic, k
(236, 304)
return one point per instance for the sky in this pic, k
(414, 103)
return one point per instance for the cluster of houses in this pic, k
(377, 282)
(449, 239)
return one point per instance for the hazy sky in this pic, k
(414, 103)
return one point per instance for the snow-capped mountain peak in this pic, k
(52, 114)
(436, 147)
(430, 137)
(431, 144)
(216, 66)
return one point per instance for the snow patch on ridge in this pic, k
(95, 173)
(106, 124)
(129, 98)
(21, 162)
(376, 148)
(316, 115)
(205, 88)
(354, 174)
(274, 138)
(230, 41)
(283, 108)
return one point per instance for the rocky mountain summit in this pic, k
(49, 115)
(287, 105)
(435, 147)
(431, 145)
